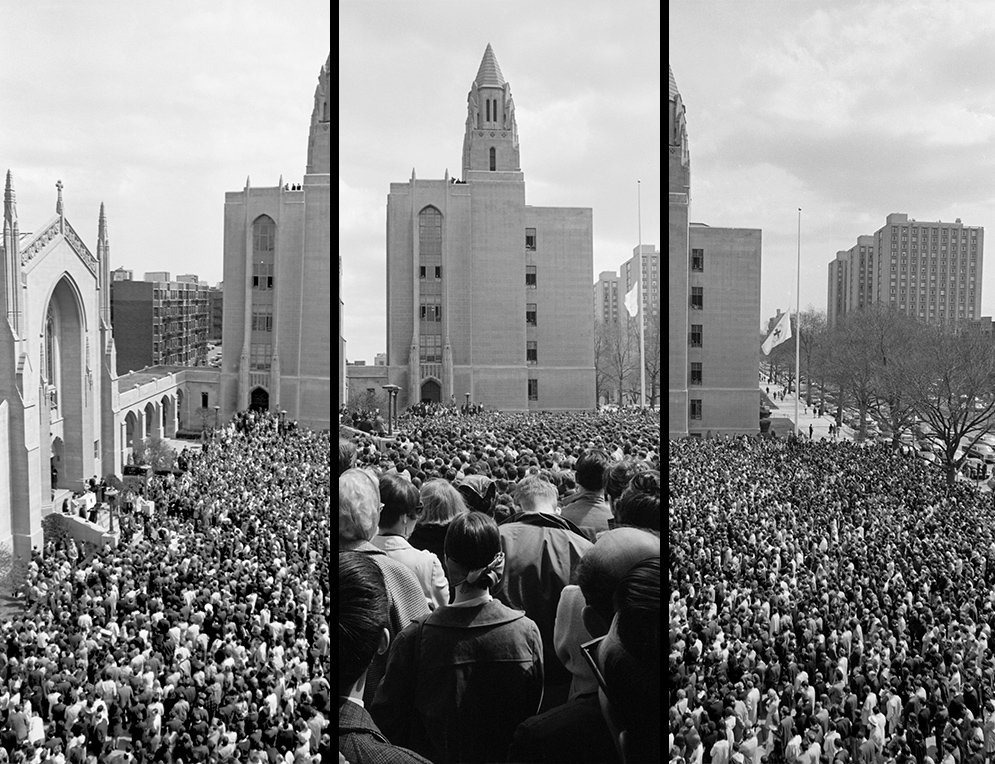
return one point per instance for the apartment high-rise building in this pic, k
(679, 175)
(159, 323)
(607, 302)
(926, 269)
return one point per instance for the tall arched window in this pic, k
(493, 159)
(263, 252)
(50, 346)
(263, 245)
(430, 292)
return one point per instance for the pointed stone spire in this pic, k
(247, 183)
(489, 73)
(104, 262)
(10, 272)
(58, 203)
(673, 83)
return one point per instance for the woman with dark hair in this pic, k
(617, 479)
(398, 518)
(639, 505)
(471, 666)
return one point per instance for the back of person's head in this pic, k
(473, 542)
(359, 506)
(618, 476)
(440, 502)
(613, 555)
(363, 615)
(479, 492)
(639, 504)
(533, 494)
(347, 455)
(629, 659)
(400, 499)
(591, 468)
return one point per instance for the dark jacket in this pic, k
(542, 551)
(575, 731)
(456, 673)
(588, 510)
(432, 538)
(362, 743)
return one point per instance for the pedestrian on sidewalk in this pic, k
(810, 430)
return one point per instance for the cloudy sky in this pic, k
(156, 109)
(849, 110)
(586, 81)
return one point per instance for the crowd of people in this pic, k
(499, 590)
(828, 603)
(203, 639)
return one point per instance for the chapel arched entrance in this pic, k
(258, 400)
(431, 391)
(62, 383)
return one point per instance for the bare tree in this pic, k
(952, 386)
(812, 328)
(602, 351)
(851, 359)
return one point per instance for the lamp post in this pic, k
(216, 410)
(392, 391)
(111, 495)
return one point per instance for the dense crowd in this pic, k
(499, 590)
(204, 639)
(828, 603)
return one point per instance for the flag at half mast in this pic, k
(631, 301)
(781, 333)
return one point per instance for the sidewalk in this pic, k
(786, 410)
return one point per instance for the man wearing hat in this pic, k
(359, 513)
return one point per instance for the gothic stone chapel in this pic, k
(56, 368)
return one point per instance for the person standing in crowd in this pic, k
(359, 511)
(576, 729)
(440, 504)
(363, 632)
(475, 661)
(398, 518)
(639, 505)
(587, 508)
(543, 551)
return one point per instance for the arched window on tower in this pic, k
(493, 159)
(263, 247)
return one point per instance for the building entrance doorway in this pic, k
(431, 391)
(258, 400)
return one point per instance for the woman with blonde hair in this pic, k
(441, 502)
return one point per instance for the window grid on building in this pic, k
(533, 389)
(697, 298)
(530, 239)
(530, 314)
(531, 352)
(695, 408)
(530, 277)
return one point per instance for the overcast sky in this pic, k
(156, 109)
(849, 110)
(586, 81)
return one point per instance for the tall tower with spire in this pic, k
(104, 260)
(488, 297)
(319, 152)
(679, 175)
(10, 274)
(490, 142)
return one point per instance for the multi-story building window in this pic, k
(530, 239)
(698, 260)
(695, 339)
(530, 314)
(697, 298)
(695, 408)
(430, 348)
(695, 373)
(260, 356)
(533, 389)
(530, 277)
(262, 318)
(531, 352)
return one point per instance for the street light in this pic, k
(216, 409)
(392, 391)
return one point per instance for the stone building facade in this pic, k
(487, 295)
(276, 341)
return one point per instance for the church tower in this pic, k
(491, 140)
(319, 152)
(679, 174)
(10, 274)
(103, 258)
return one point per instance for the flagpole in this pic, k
(798, 327)
(642, 319)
